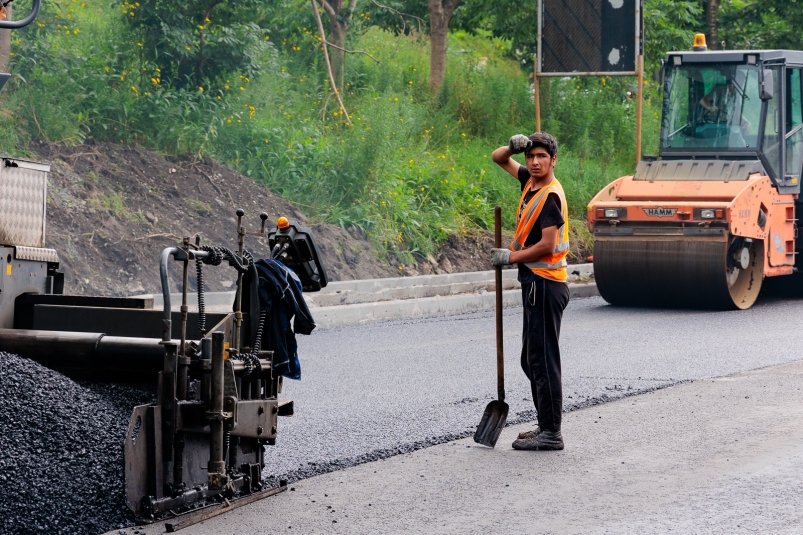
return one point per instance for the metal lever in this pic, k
(14, 24)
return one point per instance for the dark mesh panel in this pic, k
(588, 36)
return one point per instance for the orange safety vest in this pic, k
(553, 265)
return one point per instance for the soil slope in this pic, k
(112, 209)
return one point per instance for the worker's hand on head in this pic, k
(500, 257)
(519, 143)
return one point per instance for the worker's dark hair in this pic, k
(546, 141)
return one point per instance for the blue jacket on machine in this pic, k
(279, 293)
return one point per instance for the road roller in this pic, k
(702, 224)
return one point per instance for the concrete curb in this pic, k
(401, 309)
(394, 298)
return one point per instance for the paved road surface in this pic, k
(376, 390)
(372, 391)
(715, 456)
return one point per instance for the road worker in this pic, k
(539, 249)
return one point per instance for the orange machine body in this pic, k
(751, 208)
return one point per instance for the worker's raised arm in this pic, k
(502, 156)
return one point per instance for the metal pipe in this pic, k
(537, 95)
(67, 349)
(238, 296)
(167, 405)
(639, 105)
(536, 68)
(216, 467)
(182, 376)
(206, 360)
(584, 73)
(184, 308)
(183, 361)
(14, 24)
(167, 322)
(77, 349)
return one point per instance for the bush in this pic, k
(196, 43)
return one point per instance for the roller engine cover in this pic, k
(293, 245)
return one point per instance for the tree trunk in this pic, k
(440, 13)
(337, 53)
(339, 20)
(711, 8)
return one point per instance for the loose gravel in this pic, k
(61, 451)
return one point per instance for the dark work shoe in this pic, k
(545, 440)
(529, 434)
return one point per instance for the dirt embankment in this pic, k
(112, 209)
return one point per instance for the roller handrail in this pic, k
(14, 24)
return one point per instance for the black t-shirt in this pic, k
(550, 216)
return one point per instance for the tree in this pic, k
(198, 42)
(440, 13)
(746, 24)
(339, 20)
(511, 20)
(711, 8)
(408, 16)
(669, 25)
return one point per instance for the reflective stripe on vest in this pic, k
(544, 265)
(553, 265)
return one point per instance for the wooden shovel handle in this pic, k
(500, 353)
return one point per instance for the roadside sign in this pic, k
(588, 37)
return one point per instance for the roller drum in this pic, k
(677, 271)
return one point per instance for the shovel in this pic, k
(495, 415)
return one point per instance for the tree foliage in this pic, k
(197, 43)
(670, 25)
(511, 20)
(398, 16)
(761, 24)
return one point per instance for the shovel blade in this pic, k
(492, 422)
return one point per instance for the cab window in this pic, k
(773, 126)
(711, 106)
(794, 122)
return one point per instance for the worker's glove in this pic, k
(519, 143)
(500, 257)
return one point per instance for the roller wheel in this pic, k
(716, 272)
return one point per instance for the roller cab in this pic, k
(705, 221)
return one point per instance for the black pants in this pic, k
(544, 301)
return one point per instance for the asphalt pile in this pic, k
(61, 451)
